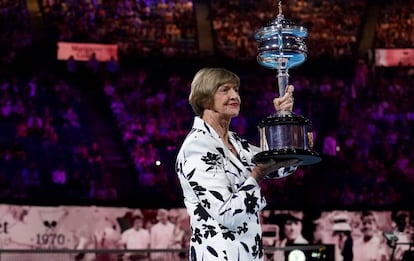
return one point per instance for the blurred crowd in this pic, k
(362, 115)
(333, 26)
(144, 27)
(395, 25)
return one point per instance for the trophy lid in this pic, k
(291, 119)
(281, 43)
(280, 25)
(276, 54)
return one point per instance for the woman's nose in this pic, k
(234, 93)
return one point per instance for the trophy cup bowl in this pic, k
(284, 135)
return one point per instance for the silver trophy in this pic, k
(284, 135)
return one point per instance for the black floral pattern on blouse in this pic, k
(206, 204)
(211, 159)
(201, 213)
(193, 254)
(245, 246)
(212, 251)
(238, 169)
(251, 203)
(243, 142)
(242, 229)
(199, 190)
(217, 195)
(196, 237)
(229, 235)
(257, 249)
(209, 231)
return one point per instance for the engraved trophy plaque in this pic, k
(284, 135)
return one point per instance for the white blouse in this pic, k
(222, 199)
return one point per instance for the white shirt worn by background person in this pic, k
(161, 238)
(136, 239)
(373, 249)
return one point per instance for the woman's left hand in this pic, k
(285, 103)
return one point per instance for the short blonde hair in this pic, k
(204, 85)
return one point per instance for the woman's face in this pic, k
(227, 100)
(369, 225)
(138, 223)
(293, 229)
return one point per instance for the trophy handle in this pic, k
(283, 80)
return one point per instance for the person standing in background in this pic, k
(403, 232)
(161, 235)
(370, 245)
(342, 235)
(291, 228)
(136, 238)
(178, 234)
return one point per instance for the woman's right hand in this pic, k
(285, 103)
(261, 170)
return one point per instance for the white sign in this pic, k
(84, 51)
(394, 57)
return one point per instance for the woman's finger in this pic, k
(288, 97)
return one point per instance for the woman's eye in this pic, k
(228, 88)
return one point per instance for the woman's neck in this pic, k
(220, 125)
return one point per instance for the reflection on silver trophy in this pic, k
(285, 135)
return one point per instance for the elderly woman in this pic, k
(220, 182)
